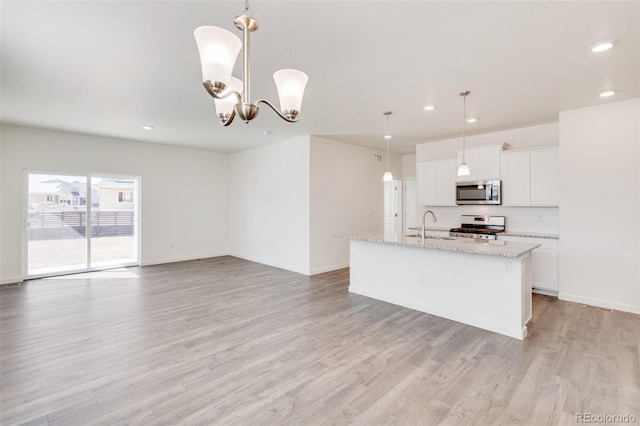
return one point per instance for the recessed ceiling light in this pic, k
(429, 107)
(607, 93)
(472, 120)
(147, 127)
(601, 47)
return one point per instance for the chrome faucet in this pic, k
(424, 223)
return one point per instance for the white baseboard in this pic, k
(329, 268)
(11, 280)
(270, 263)
(180, 259)
(600, 303)
(545, 292)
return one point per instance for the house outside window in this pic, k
(125, 196)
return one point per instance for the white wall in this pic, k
(184, 192)
(599, 205)
(346, 198)
(269, 204)
(409, 166)
(524, 137)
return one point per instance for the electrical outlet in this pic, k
(421, 280)
(540, 219)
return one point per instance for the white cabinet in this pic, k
(530, 177)
(426, 180)
(545, 164)
(446, 171)
(544, 263)
(436, 182)
(516, 178)
(483, 162)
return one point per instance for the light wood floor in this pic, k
(230, 342)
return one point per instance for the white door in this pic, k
(410, 197)
(392, 209)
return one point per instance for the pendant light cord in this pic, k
(464, 121)
(387, 137)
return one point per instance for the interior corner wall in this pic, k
(269, 204)
(184, 192)
(600, 189)
(346, 198)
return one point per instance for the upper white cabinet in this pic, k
(530, 177)
(516, 178)
(436, 181)
(545, 188)
(483, 162)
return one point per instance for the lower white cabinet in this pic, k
(544, 263)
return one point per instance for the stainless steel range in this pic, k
(483, 227)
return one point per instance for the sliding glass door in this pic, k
(56, 224)
(114, 222)
(77, 223)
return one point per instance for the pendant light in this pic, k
(387, 177)
(463, 169)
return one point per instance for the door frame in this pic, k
(88, 177)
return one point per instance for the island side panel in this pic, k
(482, 291)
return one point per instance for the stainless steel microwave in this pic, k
(481, 192)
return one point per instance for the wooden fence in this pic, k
(73, 224)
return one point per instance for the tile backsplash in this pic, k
(518, 219)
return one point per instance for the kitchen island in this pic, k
(479, 283)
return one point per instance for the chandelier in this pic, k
(218, 49)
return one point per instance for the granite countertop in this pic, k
(530, 235)
(429, 228)
(466, 245)
(525, 234)
(506, 233)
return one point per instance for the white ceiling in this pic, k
(107, 68)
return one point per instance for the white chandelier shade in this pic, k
(290, 85)
(226, 105)
(218, 50)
